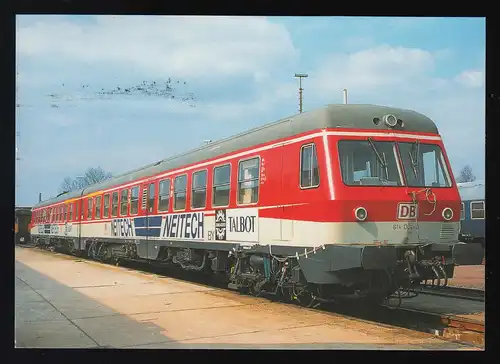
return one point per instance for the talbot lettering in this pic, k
(242, 224)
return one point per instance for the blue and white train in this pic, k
(473, 212)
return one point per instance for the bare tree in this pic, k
(466, 175)
(91, 176)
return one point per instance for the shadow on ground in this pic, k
(50, 314)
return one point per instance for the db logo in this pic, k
(407, 211)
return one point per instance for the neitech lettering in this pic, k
(184, 226)
(122, 227)
(242, 224)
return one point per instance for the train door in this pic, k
(79, 220)
(273, 179)
(287, 192)
(148, 193)
(141, 223)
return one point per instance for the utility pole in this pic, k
(300, 76)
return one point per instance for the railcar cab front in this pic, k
(395, 182)
(395, 187)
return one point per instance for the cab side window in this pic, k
(309, 171)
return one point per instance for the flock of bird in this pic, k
(163, 89)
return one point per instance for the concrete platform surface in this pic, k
(64, 302)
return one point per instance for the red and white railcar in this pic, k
(343, 200)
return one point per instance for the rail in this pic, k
(452, 292)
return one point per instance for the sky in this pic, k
(240, 71)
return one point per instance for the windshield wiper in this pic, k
(414, 161)
(383, 161)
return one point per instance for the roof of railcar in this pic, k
(331, 116)
(472, 190)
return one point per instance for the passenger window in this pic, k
(106, 206)
(134, 200)
(462, 211)
(221, 185)
(65, 213)
(70, 218)
(477, 210)
(199, 190)
(248, 181)
(163, 195)
(77, 209)
(89, 208)
(83, 209)
(151, 197)
(123, 202)
(98, 207)
(180, 188)
(114, 204)
(309, 172)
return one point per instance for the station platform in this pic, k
(66, 302)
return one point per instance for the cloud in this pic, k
(373, 69)
(163, 45)
(471, 78)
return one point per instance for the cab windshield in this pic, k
(375, 163)
(424, 165)
(368, 162)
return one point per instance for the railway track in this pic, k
(453, 292)
(448, 327)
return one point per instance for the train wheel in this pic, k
(304, 297)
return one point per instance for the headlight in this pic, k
(390, 120)
(447, 213)
(360, 214)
